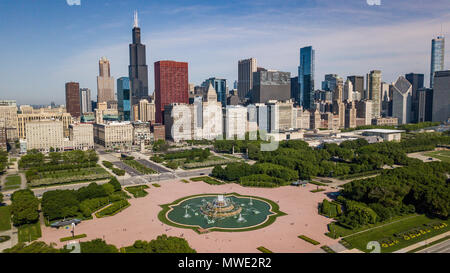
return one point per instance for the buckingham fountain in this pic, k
(219, 212)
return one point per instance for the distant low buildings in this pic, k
(387, 135)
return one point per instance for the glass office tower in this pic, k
(306, 78)
(437, 57)
(221, 89)
(123, 98)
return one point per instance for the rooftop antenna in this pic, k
(136, 20)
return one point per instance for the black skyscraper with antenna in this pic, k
(138, 70)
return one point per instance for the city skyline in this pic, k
(354, 49)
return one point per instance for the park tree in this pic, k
(24, 207)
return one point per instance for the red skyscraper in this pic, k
(73, 99)
(171, 85)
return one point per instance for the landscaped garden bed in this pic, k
(113, 209)
(138, 191)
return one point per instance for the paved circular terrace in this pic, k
(140, 221)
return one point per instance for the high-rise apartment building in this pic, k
(171, 85)
(441, 96)
(306, 78)
(124, 98)
(138, 70)
(374, 91)
(270, 85)
(245, 77)
(85, 100)
(105, 83)
(437, 57)
(146, 111)
(73, 99)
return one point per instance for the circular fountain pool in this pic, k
(217, 212)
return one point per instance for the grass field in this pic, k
(5, 218)
(441, 155)
(29, 231)
(137, 191)
(390, 233)
(12, 182)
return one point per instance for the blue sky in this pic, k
(45, 43)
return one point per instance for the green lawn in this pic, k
(12, 182)
(442, 155)
(389, 233)
(5, 218)
(137, 191)
(29, 231)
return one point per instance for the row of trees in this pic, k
(36, 159)
(263, 172)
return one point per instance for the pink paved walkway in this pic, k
(140, 221)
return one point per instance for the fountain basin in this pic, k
(218, 212)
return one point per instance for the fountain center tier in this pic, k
(220, 207)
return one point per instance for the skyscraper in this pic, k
(401, 100)
(416, 81)
(374, 91)
(138, 70)
(73, 99)
(437, 57)
(85, 100)
(270, 85)
(441, 96)
(220, 85)
(330, 82)
(425, 105)
(105, 83)
(358, 84)
(123, 98)
(306, 78)
(245, 76)
(171, 85)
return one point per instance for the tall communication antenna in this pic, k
(136, 20)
